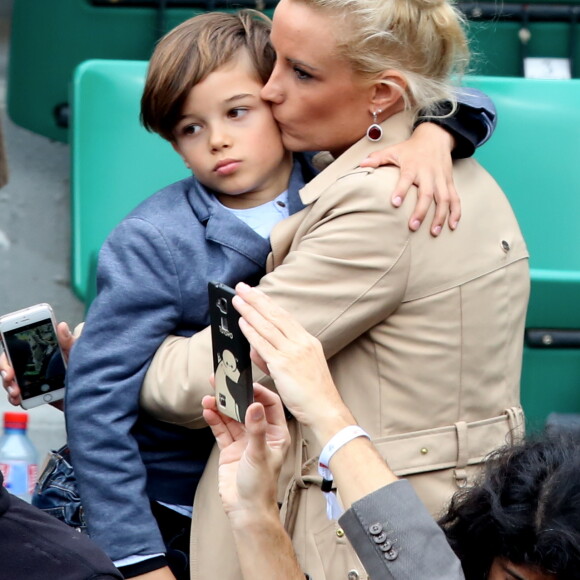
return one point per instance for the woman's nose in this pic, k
(272, 90)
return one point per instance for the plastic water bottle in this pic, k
(18, 457)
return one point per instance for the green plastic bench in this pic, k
(116, 163)
(534, 155)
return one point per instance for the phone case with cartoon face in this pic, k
(231, 354)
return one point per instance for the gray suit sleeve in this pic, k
(396, 538)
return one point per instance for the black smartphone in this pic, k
(31, 345)
(232, 365)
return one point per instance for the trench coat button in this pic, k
(353, 575)
(391, 554)
(505, 246)
(375, 529)
(340, 532)
(386, 546)
(380, 538)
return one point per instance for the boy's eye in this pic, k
(191, 129)
(301, 74)
(237, 112)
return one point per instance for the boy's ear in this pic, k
(387, 91)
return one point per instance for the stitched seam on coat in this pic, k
(363, 294)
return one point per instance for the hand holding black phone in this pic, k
(232, 365)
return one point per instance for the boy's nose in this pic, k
(219, 138)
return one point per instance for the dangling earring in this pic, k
(375, 131)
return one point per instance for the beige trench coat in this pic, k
(424, 337)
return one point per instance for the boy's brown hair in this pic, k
(194, 49)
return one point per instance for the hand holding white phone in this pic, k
(31, 345)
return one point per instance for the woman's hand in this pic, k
(425, 161)
(65, 339)
(295, 360)
(251, 456)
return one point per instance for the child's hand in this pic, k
(425, 161)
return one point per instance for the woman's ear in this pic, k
(387, 92)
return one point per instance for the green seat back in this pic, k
(534, 155)
(116, 163)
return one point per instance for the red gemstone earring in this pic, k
(375, 131)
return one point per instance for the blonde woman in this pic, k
(423, 334)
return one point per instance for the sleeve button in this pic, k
(375, 529)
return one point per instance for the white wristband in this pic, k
(344, 436)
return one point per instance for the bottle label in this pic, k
(19, 477)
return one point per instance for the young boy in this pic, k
(137, 476)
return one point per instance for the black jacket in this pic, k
(36, 546)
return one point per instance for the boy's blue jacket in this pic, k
(152, 281)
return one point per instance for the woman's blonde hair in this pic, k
(422, 39)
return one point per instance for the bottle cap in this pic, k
(14, 420)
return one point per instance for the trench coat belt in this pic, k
(454, 446)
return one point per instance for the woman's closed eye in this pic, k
(301, 74)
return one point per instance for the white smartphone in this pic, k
(31, 345)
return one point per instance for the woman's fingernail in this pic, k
(10, 390)
(415, 224)
(397, 201)
(3, 373)
(436, 230)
